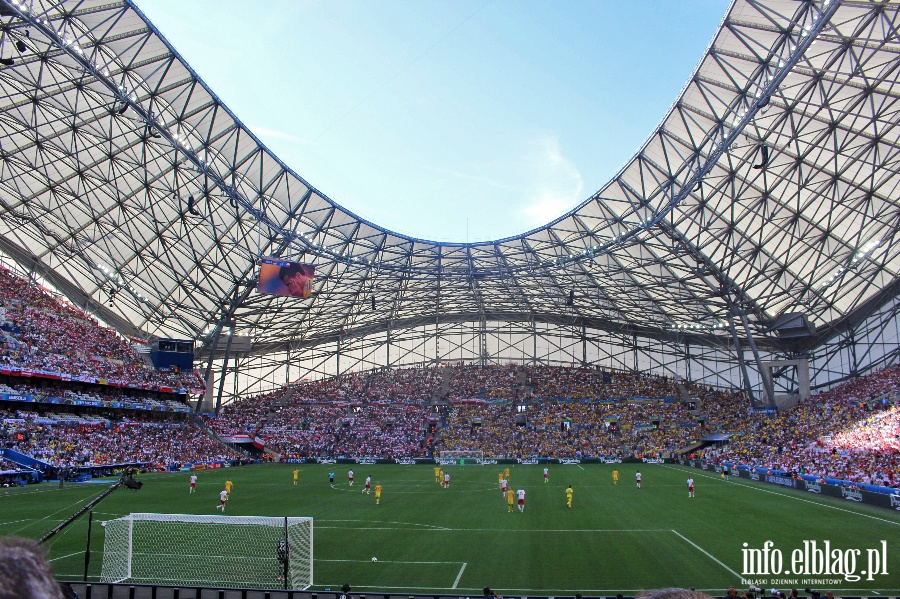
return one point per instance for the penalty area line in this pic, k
(458, 576)
(787, 495)
(511, 530)
(707, 554)
(363, 561)
(70, 555)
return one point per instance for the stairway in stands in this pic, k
(198, 422)
(685, 395)
(524, 390)
(283, 400)
(143, 350)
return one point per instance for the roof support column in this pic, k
(225, 364)
(743, 366)
(767, 382)
(583, 347)
(687, 358)
(634, 352)
(482, 340)
(534, 359)
(212, 353)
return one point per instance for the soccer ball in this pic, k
(374, 559)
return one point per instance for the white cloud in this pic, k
(264, 132)
(557, 184)
(481, 179)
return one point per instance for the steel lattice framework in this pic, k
(769, 187)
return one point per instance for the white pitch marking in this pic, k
(458, 576)
(707, 554)
(565, 530)
(13, 522)
(363, 561)
(833, 507)
(65, 556)
(389, 522)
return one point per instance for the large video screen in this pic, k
(282, 277)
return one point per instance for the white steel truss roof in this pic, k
(770, 187)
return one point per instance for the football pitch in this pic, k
(615, 538)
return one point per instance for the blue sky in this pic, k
(447, 121)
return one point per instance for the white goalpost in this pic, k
(454, 457)
(226, 551)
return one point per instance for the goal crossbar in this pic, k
(449, 457)
(236, 551)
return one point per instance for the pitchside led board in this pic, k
(282, 277)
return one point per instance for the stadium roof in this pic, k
(769, 188)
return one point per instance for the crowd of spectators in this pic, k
(850, 432)
(51, 391)
(404, 384)
(458, 381)
(385, 413)
(516, 411)
(594, 429)
(244, 417)
(40, 332)
(77, 441)
(379, 430)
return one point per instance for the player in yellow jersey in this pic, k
(228, 485)
(377, 493)
(437, 474)
(440, 479)
(569, 492)
(500, 477)
(510, 500)
(296, 476)
(615, 476)
(506, 474)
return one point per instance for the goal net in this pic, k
(227, 551)
(460, 456)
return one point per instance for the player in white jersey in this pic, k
(350, 477)
(637, 479)
(193, 482)
(521, 494)
(446, 480)
(223, 497)
(503, 484)
(546, 474)
(368, 485)
(690, 482)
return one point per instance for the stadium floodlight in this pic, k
(175, 549)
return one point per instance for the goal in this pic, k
(460, 457)
(227, 551)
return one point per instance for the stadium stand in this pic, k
(62, 354)
(385, 413)
(74, 441)
(45, 337)
(850, 432)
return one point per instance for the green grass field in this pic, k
(426, 539)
